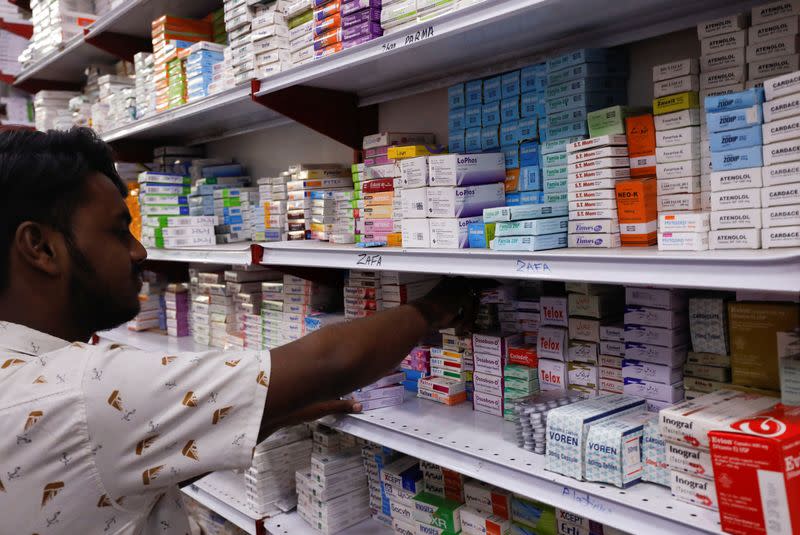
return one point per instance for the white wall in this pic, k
(271, 151)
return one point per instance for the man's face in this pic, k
(105, 270)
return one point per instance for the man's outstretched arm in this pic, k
(340, 358)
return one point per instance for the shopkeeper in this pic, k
(96, 439)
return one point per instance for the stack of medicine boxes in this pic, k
(780, 198)
(233, 208)
(594, 166)
(199, 68)
(360, 22)
(682, 224)
(551, 346)
(327, 28)
(176, 300)
(709, 362)
(238, 20)
(637, 197)
(300, 22)
(269, 38)
(734, 127)
(327, 512)
(490, 353)
(376, 458)
(656, 337)
(461, 187)
(273, 197)
(592, 309)
(272, 303)
(772, 42)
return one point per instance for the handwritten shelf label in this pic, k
(370, 260)
(531, 266)
(409, 38)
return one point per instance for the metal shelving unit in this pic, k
(223, 493)
(231, 253)
(766, 270)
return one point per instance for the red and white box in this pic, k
(757, 468)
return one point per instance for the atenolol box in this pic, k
(744, 238)
(774, 10)
(736, 199)
(723, 60)
(466, 169)
(727, 41)
(736, 219)
(783, 46)
(723, 25)
(773, 67)
(736, 179)
(734, 76)
(773, 29)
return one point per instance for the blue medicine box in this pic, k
(472, 116)
(490, 114)
(456, 97)
(456, 119)
(492, 89)
(513, 199)
(530, 178)
(527, 129)
(568, 130)
(473, 92)
(510, 84)
(583, 55)
(736, 139)
(528, 78)
(472, 139)
(568, 116)
(734, 119)
(509, 109)
(735, 101)
(477, 236)
(509, 133)
(531, 197)
(511, 154)
(490, 137)
(528, 102)
(529, 153)
(736, 159)
(456, 141)
(555, 185)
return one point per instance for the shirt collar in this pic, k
(21, 339)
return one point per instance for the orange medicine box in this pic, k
(638, 211)
(641, 133)
(512, 180)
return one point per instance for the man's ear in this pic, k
(41, 247)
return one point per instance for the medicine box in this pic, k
(614, 452)
(568, 427)
(465, 170)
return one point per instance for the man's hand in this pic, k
(453, 302)
(312, 412)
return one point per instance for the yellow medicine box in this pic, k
(676, 102)
(413, 151)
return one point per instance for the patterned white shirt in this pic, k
(95, 438)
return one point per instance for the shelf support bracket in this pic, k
(117, 44)
(335, 114)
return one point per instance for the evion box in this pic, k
(757, 467)
(689, 422)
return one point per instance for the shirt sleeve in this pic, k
(157, 419)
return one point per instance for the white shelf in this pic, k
(482, 446)
(151, 340)
(488, 38)
(223, 493)
(765, 270)
(229, 253)
(133, 17)
(292, 524)
(231, 112)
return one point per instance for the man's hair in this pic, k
(42, 177)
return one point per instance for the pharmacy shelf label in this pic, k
(532, 267)
(366, 260)
(409, 38)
